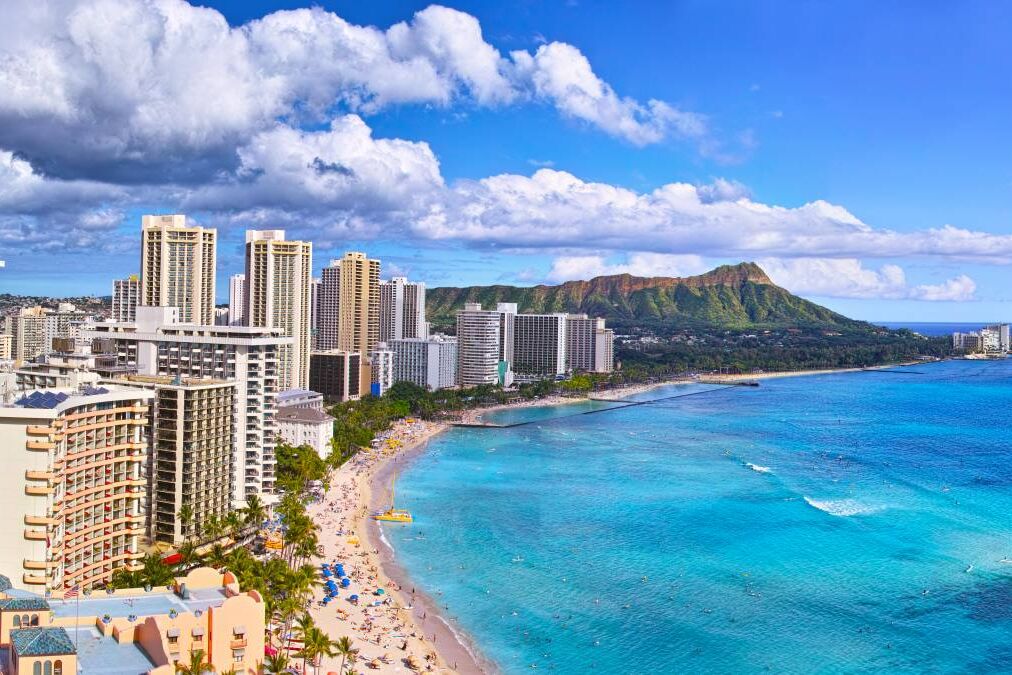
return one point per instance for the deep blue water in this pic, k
(932, 329)
(639, 540)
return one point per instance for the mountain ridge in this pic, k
(738, 296)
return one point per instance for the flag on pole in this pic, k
(72, 591)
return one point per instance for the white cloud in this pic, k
(849, 278)
(560, 73)
(568, 268)
(161, 91)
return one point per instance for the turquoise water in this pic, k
(866, 537)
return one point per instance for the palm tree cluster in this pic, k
(316, 645)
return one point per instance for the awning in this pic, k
(172, 632)
(198, 631)
(239, 630)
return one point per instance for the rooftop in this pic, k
(5, 584)
(24, 604)
(41, 642)
(304, 415)
(156, 602)
(105, 656)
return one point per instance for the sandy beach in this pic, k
(402, 625)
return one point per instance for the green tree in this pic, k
(185, 515)
(198, 665)
(346, 649)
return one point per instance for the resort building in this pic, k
(381, 369)
(277, 295)
(69, 367)
(306, 426)
(485, 344)
(135, 630)
(402, 310)
(539, 346)
(158, 344)
(428, 362)
(314, 313)
(193, 436)
(6, 347)
(337, 374)
(74, 486)
(328, 307)
(349, 304)
(178, 267)
(237, 300)
(589, 345)
(126, 295)
(300, 398)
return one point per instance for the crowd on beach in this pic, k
(387, 633)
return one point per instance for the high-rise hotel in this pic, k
(178, 266)
(73, 492)
(278, 295)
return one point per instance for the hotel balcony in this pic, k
(36, 430)
(33, 579)
(39, 490)
(35, 535)
(40, 475)
(40, 564)
(41, 520)
(237, 644)
(40, 445)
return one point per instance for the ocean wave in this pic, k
(757, 468)
(841, 507)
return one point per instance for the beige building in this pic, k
(6, 347)
(193, 436)
(178, 267)
(72, 492)
(278, 295)
(589, 345)
(204, 610)
(357, 302)
(33, 329)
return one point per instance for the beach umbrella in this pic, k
(380, 591)
(345, 582)
(353, 598)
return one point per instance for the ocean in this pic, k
(844, 523)
(935, 329)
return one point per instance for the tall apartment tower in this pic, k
(277, 289)
(314, 313)
(236, 299)
(177, 267)
(402, 310)
(358, 304)
(328, 307)
(539, 346)
(485, 344)
(589, 345)
(125, 298)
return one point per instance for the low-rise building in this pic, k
(306, 426)
(300, 398)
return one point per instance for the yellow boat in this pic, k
(393, 514)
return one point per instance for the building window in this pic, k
(35, 619)
(37, 668)
(238, 655)
(17, 621)
(58, 667)
(48, 670)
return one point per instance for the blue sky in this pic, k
(859, 152)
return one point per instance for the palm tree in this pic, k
(276, 663)
(233, 522)
(197, 665)
(185, 515)
(347, 651)
(318, 645)
(304, 626)
(156, 572)
(216, 557)
(255, 511)
(188, 554)
(213, 527)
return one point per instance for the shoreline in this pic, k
(416, 623)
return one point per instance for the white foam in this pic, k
(841, 507)
(757, 468)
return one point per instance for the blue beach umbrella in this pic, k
(345, 582)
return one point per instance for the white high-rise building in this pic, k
(485, 344)
(178, 267)
(539, 346)
(236, 299)
(278, 274)
(125, 298)
(402, 310)
(159, 344)
(381, 368)
(428, 362)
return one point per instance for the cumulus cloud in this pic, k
(155, 91)
(849, 278)
(568, 268)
